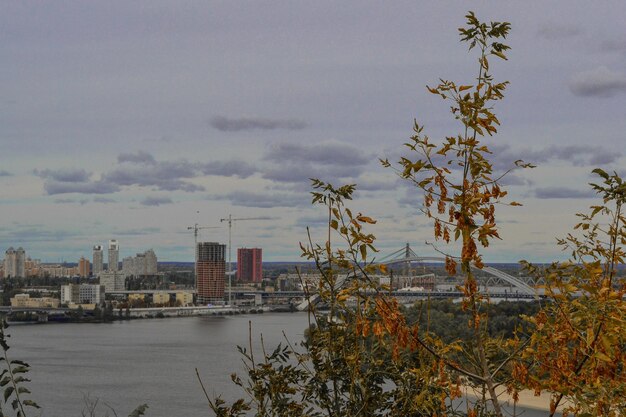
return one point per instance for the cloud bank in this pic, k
(563, 192)
(226, 124)
(141, 169)
(600, 82)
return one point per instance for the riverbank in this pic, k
(137, 313)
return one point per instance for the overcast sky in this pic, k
(134, 120)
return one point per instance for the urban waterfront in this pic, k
(127, 363)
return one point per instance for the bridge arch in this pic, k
(520, 285)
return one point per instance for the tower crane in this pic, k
(230, 221)
(195, 229)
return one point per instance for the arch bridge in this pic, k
(406, 256)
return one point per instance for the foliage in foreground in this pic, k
(364, 356)
(13, 380)
(579, 348)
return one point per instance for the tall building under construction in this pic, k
(211, 272)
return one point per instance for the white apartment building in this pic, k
(82, 294)
(140, 265)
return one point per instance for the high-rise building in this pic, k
(114, 255)
(9, 263)
(151, 264)
(83, 267)
(211, 272)
(98, 260)
(15, 263)
(142, 264)
(128, 266)
(249, 264)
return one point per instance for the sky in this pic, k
(136, 120)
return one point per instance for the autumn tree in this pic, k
(577, 353)
(461, 193)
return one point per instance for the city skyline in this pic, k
(136, 120)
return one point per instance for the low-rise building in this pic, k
(185, 298)
(24, 301)
(136, 297)
(161, 298)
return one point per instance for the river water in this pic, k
(125, 364)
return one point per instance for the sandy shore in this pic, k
(527, 399)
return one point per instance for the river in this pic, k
(128, 363)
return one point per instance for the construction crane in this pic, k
(195, 229)
(230, 221)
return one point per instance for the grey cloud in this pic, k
(411, 200)
(4, 173)
(375, 184)
(512, 179)
(324, 153)
(600, 82)
(562, 192)
(233, 168)
(141, 157)
(266, 199)
(614, 45)
(136, 232)
(331, 161)
(97, 187)
(35, 233)
(103, 200)
(82, 202)
(578, 155)
(64, 175)
(603, 157)
(226, 124)
(143, 170)
(161, 175)
(156, 201)
(294, 173)
(554, 31)
(311, 221)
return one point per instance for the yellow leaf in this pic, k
(606, 342)
(464, 87)
(366, 219)
(499, 54)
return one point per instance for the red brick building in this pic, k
(250, 264)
